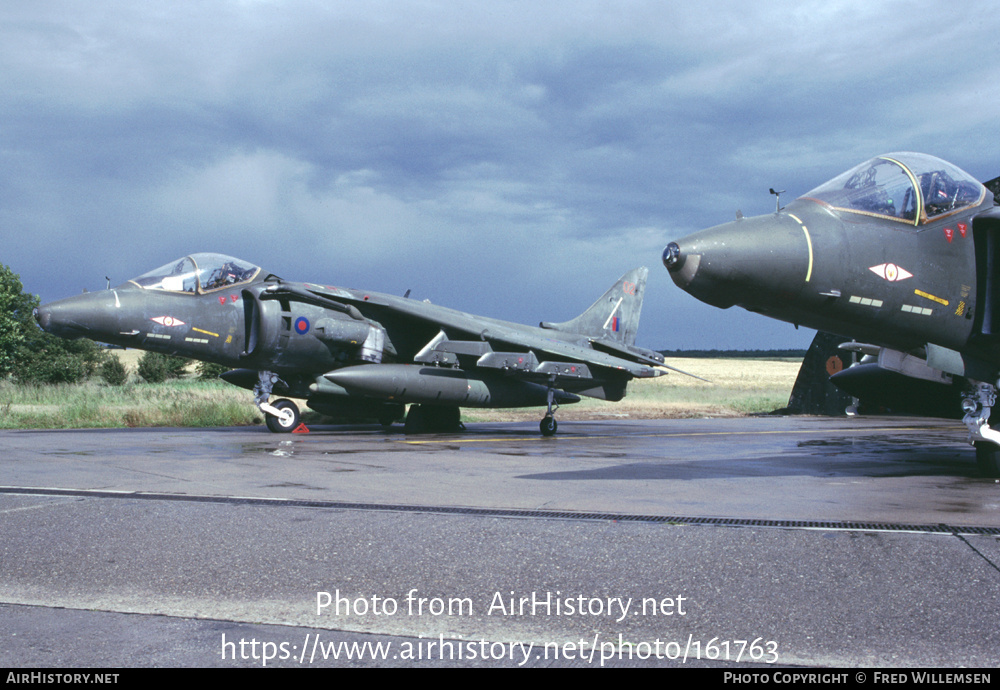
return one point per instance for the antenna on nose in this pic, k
(777, 199)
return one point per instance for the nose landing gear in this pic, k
(283, 416)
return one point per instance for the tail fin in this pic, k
(615, 316)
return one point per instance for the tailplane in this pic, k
(615, 316)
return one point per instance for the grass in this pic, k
(738, 387)
(185, 402)
(735, 388)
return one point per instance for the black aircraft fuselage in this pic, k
(901, 254)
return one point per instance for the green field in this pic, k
(738, 387)
(735, 387)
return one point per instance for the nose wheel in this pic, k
(287, 419)
(283, 416)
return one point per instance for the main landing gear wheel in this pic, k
(289, 419)
(429, 418)
(988, 459)
(548, 426)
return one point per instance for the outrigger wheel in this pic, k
(287, 421)
(548, 425)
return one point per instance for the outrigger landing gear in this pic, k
(548, 424)
(283, 416)
(978, 404)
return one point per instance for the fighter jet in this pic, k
(360, 353)
(900, 254)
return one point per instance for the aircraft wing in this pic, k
(587, 364)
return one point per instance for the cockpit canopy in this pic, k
(911, 188)
(199, 273)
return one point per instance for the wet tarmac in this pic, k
(845, 542)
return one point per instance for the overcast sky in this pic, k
(511, 159)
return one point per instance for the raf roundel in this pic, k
(302, 325)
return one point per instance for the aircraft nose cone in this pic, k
(43, 316)
(59, 319)
(85, 315)
(694, 265)
(671, 255)
(682, 264)
(749, 262)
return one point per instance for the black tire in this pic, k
(286, 423)
(390, 413)
(422, 419)
(446, 419)
(416, 420)
(988, 459)
(548, 426)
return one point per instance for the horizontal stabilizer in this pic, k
(686, 373)
(630, 352)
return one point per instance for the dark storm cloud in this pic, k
(506, 158)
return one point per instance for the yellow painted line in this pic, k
(809, 244)
(931, 297)
(216, 335)
(462, 441)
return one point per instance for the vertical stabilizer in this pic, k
(615, 316)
